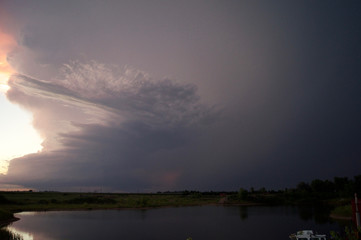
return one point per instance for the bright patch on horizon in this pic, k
(17, 135)
(3, 82)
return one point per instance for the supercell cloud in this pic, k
(107, 126)
(205, 95)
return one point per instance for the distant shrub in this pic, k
(243, 194)
(142, 202)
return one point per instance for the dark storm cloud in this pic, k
(117, 158)
(285, 75)
(133, 119)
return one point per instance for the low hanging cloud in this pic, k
(106, 126)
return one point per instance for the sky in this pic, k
(155, 95)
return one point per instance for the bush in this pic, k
(143, 202)
(242, 194)
(350, 234)
(343, 211)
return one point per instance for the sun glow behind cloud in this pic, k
(6, 44)
(18, 137)
(3, 80)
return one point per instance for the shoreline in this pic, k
(137, 208)
(6, 222)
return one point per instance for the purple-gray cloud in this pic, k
(124, 121)
(256, 95)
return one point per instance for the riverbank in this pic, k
(342, 212)
(199, 222)
(6, 218)
(6, 222)
(13, 202)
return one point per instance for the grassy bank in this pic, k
(11, 202)
(6, 217)
(342, 212)
(25, 201)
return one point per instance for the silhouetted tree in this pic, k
(243, 194)
(304, 187)
(341, 186)
(320, 186)
(357, 184)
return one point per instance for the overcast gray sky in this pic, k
(173, 95)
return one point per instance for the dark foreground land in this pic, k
(43, 201)
(12, 202)
(336, 194)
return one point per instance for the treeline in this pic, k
(339, 187)
(315, 191)
(339, 190)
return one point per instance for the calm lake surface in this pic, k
(201, 222)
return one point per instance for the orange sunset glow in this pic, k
(7, 43)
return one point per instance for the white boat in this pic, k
(307, 235)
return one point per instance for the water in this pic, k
(203, 222)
